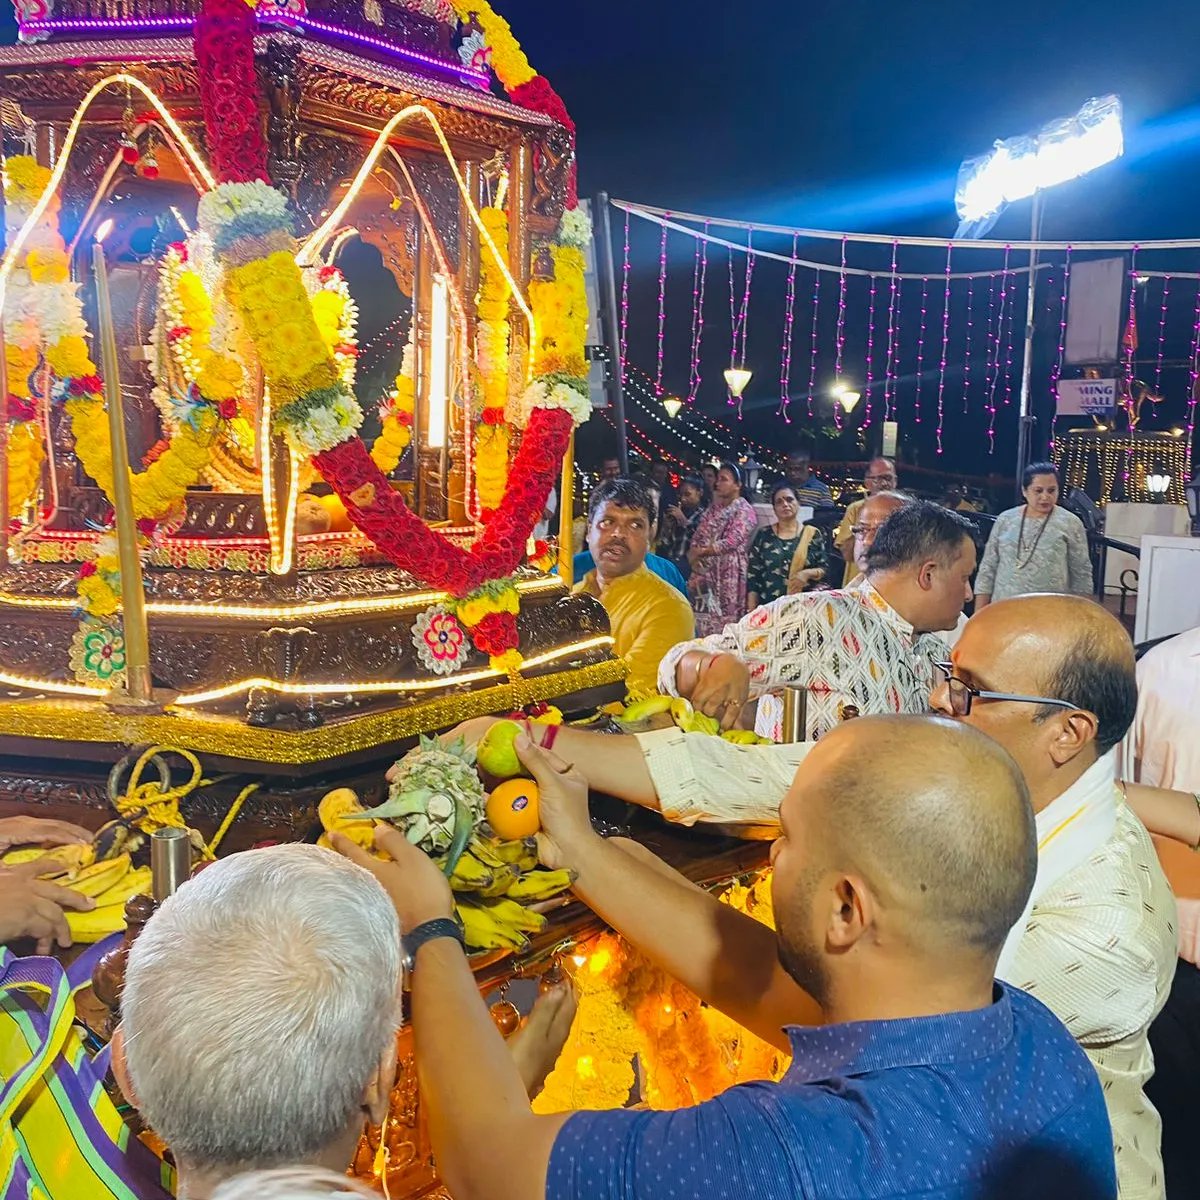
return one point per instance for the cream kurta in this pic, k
(1099, 952)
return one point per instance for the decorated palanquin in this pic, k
(321, 549)
(334, 559)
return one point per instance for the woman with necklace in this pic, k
(786, 557)
(718, 555)
(1038, 547)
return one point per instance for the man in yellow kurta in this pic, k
(647, 616)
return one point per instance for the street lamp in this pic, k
(1158, 485)
(846, 397)
(672, 404)
(737, 379)
(752, 473)
(1025, 166)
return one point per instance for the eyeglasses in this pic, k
(963, 695)
(863, 530)
(880, 478)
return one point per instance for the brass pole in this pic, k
(566, 517)
(133, 599)
(3, 451)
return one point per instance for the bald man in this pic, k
(893, 898)
(1052, 679)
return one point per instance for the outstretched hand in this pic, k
(418, 889)
(37, 831)
(562, 801)
(33, 908)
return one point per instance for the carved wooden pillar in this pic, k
(283, 127)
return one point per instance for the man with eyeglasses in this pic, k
(880, 477)
(1051, 678)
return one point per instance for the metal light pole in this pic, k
(611, 325)
(1027, 419)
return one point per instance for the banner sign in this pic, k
(1086, 397)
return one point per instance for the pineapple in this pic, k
(436, 798)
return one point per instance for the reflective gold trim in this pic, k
(91, 722)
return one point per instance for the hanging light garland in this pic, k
(699, 283)
(941, 389)
(870, 363)
(1060, 356)
(789, 322)
(967, 350)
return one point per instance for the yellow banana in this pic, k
(502, 883)
(515, 916)
(135, 883)
(702, 723)
(60, 859)
(652, 706)
(681, 710)
(101, 876)
(483, 932)
(540, 885)
(97, 924)
(470, 874)
(520, 854)
(486, 850)
(333, 810)
(742, 737)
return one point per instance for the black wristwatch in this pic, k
(429, 931)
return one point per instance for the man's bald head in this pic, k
(1068, 648)
(939, 832)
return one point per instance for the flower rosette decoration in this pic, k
(97, 654)
(439, 641)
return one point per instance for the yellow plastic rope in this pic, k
(161, 804)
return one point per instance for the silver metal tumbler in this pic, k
(795, 715)
(170, 861)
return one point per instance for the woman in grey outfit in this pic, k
(1037, 547)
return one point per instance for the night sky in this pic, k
(855, 116)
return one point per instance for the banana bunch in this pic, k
(493, 883)
(108, 881)
(687, 719)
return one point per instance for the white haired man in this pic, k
(259, 1016)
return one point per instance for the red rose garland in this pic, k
(224, 43)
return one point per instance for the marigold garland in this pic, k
(492, 438)
(688, 1051)
(397, 412)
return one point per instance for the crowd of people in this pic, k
(983, 966)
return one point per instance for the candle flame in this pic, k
(104, 229)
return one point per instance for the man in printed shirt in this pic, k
(892, 899)
(646, 614)
(869, 649)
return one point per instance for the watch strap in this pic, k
(430, 931)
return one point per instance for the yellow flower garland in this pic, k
(688, 1051)
(492, 359)
(508, 59)
(560, 310)
(396, 432)
(26, 453)
(160, 488)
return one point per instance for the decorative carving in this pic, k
(394, 235)
(283, 125)
(329, 160)
(553, 155)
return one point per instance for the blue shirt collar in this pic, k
(860, 1047)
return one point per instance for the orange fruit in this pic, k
(512, 809)
(339, 520)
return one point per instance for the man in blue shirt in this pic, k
(893, 897)
(797, 470)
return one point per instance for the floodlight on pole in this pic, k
(1026, 166)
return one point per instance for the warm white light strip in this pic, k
(439, 363)
(51, 685)
(60, 166)
(361, 606)
(364, 172)
(377, 687)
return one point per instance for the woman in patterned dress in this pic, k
(719, 555)
(1038, 547)
(787, 557)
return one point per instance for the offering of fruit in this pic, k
(495, 752)
(334, 809)
(512, 809)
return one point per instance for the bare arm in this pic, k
(488, 1142)
(1169, 814)
(728, 959)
